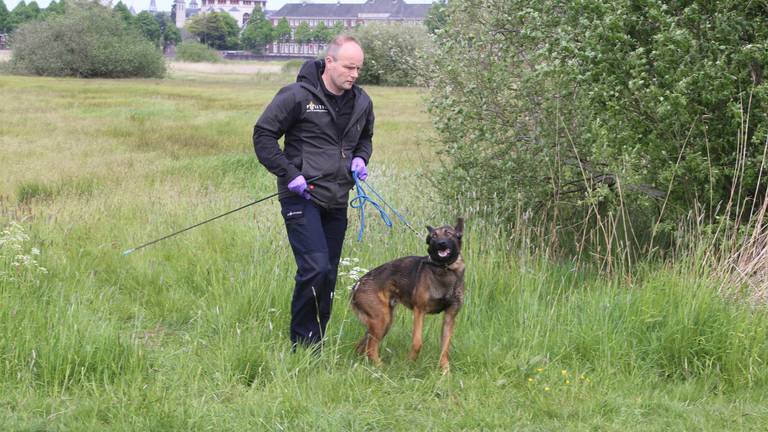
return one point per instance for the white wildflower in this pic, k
(12, 244)
(354, 274)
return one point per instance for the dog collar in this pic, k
(441, 265)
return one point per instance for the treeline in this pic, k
(157, 28)
(219, 30)
(23, 12)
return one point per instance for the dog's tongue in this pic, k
(444, 253)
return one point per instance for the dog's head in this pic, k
(445, 242)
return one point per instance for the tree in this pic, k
(338, 29)
(54, 8)
(123, 12)
(283, 30)
(149, 27)
(303, 33)
(437, 16)
(216, 29)
(322, 33)
(17, 16)
(258, 32)
(33, 11)
(170, 33)
(4, 16)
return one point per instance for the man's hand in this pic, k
(358, 166)
(299, 187)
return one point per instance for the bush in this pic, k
(292, 67)
(570, 108)
(196, 52)
(87, 41)
(392, 53)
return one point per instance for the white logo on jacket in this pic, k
(313, 107)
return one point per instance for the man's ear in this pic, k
(429, 232)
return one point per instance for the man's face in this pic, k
(343, 71)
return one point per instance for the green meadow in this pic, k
(191, 333)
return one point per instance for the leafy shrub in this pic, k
(292, 66)
(87, 41)
(584, 106)
(196, 52)
(392, 53)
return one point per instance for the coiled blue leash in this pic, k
(362, 198)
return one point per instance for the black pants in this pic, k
(316, 235)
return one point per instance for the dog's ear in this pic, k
(429, 232)
(459, 228)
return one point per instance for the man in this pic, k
(327, 121)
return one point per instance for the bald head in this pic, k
(342, 64)
(335, 45)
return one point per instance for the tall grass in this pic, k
(191, 333)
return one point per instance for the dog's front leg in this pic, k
(418, 325)
(445, 341)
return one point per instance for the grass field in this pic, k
(191, 333)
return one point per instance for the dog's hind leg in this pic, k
(378, 327)
(418, 325)
(374, 311)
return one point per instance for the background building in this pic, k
(349, 14)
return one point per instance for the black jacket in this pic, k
(313, 146)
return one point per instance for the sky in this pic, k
(165, 5)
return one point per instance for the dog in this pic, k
(425, 284)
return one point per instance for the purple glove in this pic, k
(358, 166)
(299, 187)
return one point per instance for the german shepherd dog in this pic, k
(426, 284)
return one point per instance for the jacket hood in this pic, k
(310, 72)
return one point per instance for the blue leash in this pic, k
(362, 198)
